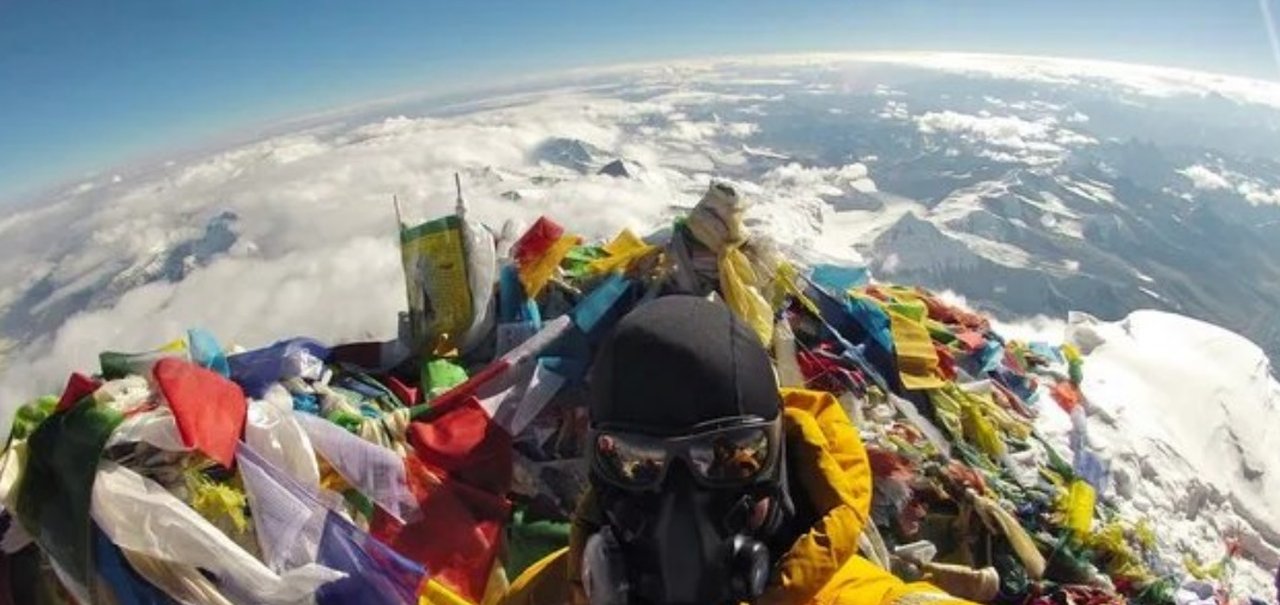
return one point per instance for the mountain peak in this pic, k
(575, 154)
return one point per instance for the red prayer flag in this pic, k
(973, 341)
(536, 241)
(946, 361)
(208, 408)
(1066, 394)
(466, 444)
(460, 473)
(458, 535)
(888, 464)
(79, 386)
(408, 395)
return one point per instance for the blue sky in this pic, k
(88, 85)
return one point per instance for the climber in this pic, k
(707, 484)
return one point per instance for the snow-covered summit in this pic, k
(1188, 414)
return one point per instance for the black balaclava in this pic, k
(669, 365)
(679, 361)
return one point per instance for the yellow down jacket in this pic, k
(822, 567)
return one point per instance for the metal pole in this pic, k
(461, 208)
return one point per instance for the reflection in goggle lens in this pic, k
(631, 461)
(732, 456)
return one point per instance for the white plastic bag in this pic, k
(784, 351)
(271, 430)
(154, 427)
(372, 469)
(482, 275)
(288, 527)
(138, 514)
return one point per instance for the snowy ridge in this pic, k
(1187, 414)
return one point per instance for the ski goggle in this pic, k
(726, 456)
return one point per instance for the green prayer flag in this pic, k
(57, 483)
(31, 415)
(530, 541)
(440, 375)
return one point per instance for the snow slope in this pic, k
(1189, 416)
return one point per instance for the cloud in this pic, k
(824, 181)
(1071, 138)
(1004, 131)
(1037, 328)
(1143, 80)
(1257, 193)
(884, 90)
(1005, 138)
(1203, 177)
(1113, 77)
(894, 110)
(1252, 190)
(350, 290)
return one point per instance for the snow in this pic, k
(1057, 216)
(1150, 292)
(1053, 203)
(965, 201)
(1001, 253)
(1088, 189)
(1186, 413)
(864, 226)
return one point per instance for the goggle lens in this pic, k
(630, 460)
(723, 457)
(731, 457)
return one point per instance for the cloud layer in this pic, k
(315, 251)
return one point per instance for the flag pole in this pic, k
(461, 208)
